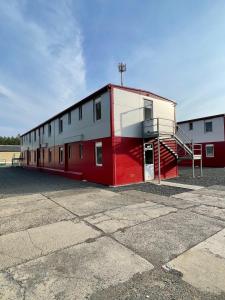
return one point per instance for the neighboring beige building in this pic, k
(8, 152)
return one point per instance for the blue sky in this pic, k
(53, 53)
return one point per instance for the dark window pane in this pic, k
(98, 110)
(208, 126)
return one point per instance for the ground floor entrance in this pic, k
(149, 162)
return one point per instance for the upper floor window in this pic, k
(208, 126)
(80, 113)
(49, 129)
(209, 150)
(191, 126)
(148, 112)
(29, 137)
(43, 130)
(60, 125)
(69, 117)
(35, 136)
(98, 109)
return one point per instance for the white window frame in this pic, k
(98, 145)
(61, 161)
(207, 146)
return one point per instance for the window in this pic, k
(49, 129)
(148, 110)
(43, 130)
(98, 110)
(61, 155)
(80, 113)
(69, 151)
(98, 154)
(29, 137)
(43, 154)
(81, 151)
(191, 126)
(208, 126)
(209, 150)
(49, 155)
(69, 117)
(35, 156)
(35, 137)
(60, 125)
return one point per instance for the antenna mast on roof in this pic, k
(122, 68)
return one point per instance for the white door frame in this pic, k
(145, 179)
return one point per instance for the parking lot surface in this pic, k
(63, 239)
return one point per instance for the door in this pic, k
(149, 162)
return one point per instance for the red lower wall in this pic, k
(217, 161)
(84, 168)
(128, 160)
(123, 161)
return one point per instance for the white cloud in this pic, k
(46, 70)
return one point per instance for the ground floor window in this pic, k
(69, 152)
(61, 155)
(49, 155)
(209, 150)
(81, 151)
(35, 156)
(98, 154)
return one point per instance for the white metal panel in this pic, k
(85, 129)
(198, 134)
(129, 114)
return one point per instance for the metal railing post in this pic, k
(193, 160)
(201, 174)
(159, 165)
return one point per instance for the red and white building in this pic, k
(210, 133)
(109, 138)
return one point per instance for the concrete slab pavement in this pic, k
(203, 266)
(210, 211)
(164, 238)
(77, 272)
(90, 203)
(22, 246)
(169, 201)
(202, 199)
(126, 216)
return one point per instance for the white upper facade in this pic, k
(127, 118)
(74, 127)
(129, 113)
(210, 129)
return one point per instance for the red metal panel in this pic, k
(122, 153)
(217, 161)
(128, 160)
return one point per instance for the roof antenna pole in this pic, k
(122, 68)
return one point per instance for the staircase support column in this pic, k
(159, 164)
(193, 167)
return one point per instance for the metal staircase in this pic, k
(164, 130)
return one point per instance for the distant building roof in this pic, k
(10, 148)
(202, 118)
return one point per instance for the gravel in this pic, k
(211, 176)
